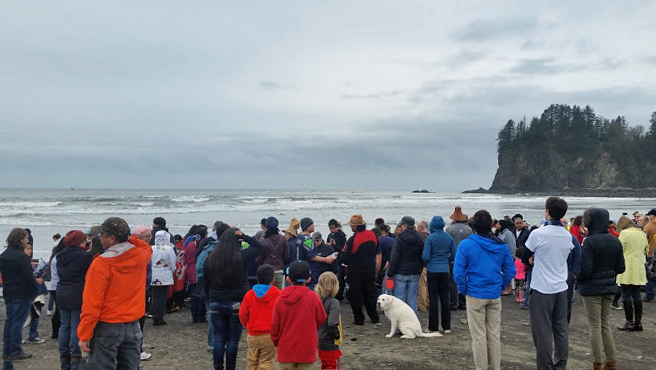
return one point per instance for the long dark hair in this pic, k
(226, 264)
(96, 246)
(58, 248)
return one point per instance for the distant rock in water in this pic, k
(570, 150)
(422, 191)
(480, 190)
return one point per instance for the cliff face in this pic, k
(568, 149)
(551, 172)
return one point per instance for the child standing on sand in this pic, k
(520, 276)
(296, 317)
(330, 333)
(255, 314)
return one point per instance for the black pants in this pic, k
(341, 277)
(198, 310)
(158, 306)
(457, 299)
(362, 289)
(570, 295)
(438, 287)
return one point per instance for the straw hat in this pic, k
(293, 226)
(356, 220)
(458, 215)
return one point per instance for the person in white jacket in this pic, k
(163, 267)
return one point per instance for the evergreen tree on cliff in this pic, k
(569, 147)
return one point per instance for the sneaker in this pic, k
(650, 300)
(21, 356)
(448, 331)
(522, 307)
(36, 340)
(145, 356)
(616, 306)
(210, 349)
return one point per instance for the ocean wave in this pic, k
(191, 198)
(29, 204)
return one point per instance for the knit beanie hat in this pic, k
(74, 238)
(305, 223)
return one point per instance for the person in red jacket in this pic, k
(114, 299)
(296, 317)
(255, 314)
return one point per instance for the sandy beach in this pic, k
(182, 345)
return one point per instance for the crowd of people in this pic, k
(285, 286)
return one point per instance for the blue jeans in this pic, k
(67, 339)
(34, 328)
(51, 300)
(227, 332)
(210, 327)
(406, 288)
(115, 347)
(17, 311)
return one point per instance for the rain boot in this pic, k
(628, 314)
(637, 323)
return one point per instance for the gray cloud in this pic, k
(544, 66)
(329, 95)
(481, 30)
(268, 85)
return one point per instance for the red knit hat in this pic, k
(74, 238)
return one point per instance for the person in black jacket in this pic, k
(406, 263)
(226, 282)
(602, 259)
(72, 265)
(360, 257)
(20, 288)
(337, 239)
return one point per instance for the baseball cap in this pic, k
(652, 212)
(299, 271)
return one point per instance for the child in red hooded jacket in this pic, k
(296, 317)
(255, 314)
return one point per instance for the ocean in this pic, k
(49, 211)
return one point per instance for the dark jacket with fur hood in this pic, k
(602, 257)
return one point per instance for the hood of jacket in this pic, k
(293, 294)
(437, 223)
(124, 258)
(162, 237)
(262, 292)
(489, 242)
(596, 220)
(69, 255)
(410, 236)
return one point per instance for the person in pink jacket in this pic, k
(520, 276)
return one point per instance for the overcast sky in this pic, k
(301, 94)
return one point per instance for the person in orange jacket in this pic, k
(114, 299)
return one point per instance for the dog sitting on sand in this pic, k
(403, 318)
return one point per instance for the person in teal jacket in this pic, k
(439, 250)
(483, 267)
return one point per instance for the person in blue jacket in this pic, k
(482, 268)
(439, 250)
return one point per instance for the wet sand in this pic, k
(183, 345)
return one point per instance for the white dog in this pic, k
(402, 317)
